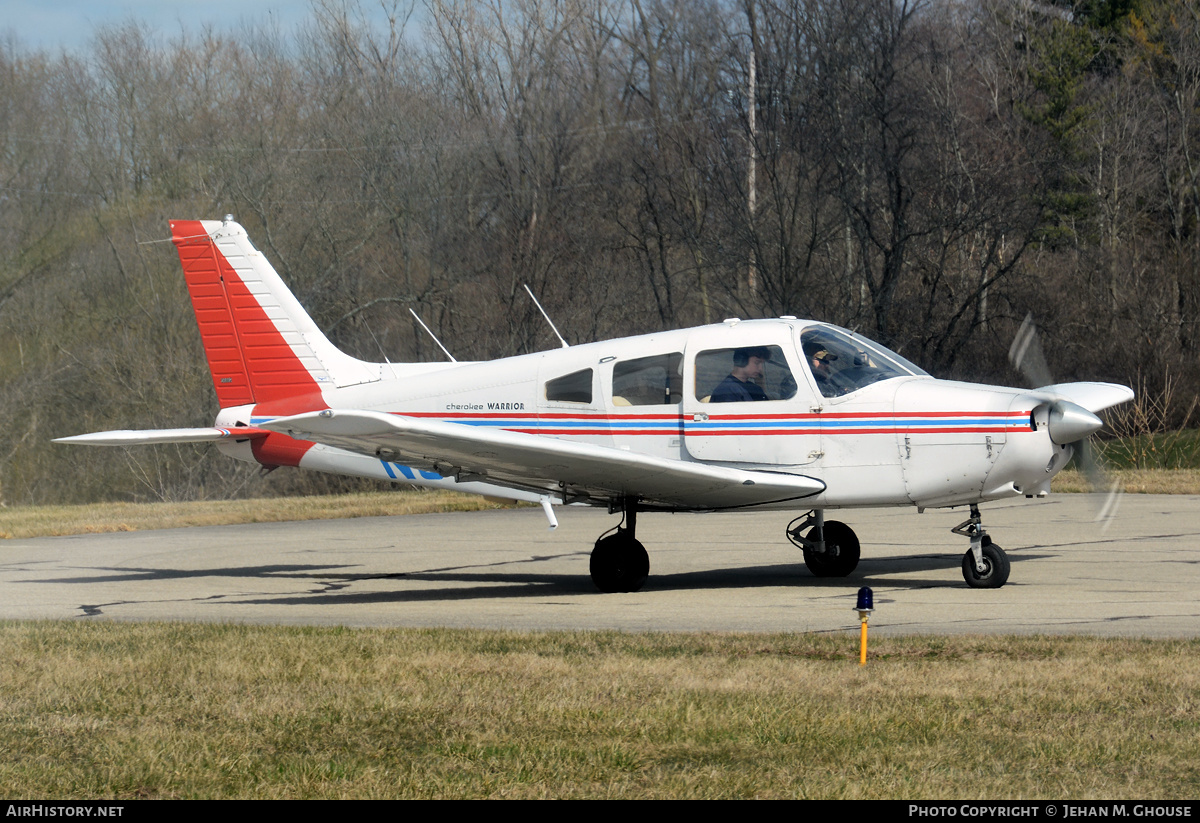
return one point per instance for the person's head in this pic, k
(818, 356)
(749, 363)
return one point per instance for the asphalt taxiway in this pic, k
(724, 572)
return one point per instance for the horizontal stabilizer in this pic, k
(562, 467)
(146, 437)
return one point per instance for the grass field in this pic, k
(1179, 449)
(49, 521)
(95, 710)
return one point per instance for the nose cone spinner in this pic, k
(1069, 423)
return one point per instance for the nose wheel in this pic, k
(995, 569)
(985, 565)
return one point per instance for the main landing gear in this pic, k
(619, 562)
(830, 548)
(985, 565)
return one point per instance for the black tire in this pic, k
(996, 573)
(837, 534)
(619, 564)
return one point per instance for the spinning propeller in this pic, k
(1068, 423)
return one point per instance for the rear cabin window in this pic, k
(575, 387)
(744, 373)
(648, 381)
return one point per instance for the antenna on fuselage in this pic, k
(434, 336)
(548, 320)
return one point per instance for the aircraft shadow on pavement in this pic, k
(476, 584)
(127, 574)
(335, 584)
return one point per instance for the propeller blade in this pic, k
(1092, 466)
(1027, 356)
(1068, 422)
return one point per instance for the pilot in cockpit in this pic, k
(742, 384)
(820, 360)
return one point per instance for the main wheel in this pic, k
(839, 563)
(995, 561)
(619, 564)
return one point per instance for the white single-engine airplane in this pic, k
(763, 414)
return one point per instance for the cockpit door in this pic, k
(746, 398)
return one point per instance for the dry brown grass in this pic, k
(48, 521)
(1136, 481)
(90, 710)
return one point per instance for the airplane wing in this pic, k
(577, 471)
(146, 437)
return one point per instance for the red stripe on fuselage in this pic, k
(585, 415)
(940, 415)
(873, 423)
(863, 430)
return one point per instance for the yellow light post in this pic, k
(864, 607)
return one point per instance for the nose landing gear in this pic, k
(985, 565)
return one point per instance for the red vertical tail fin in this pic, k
(260, 343)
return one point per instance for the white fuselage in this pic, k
(887, 435)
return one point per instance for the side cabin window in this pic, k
(744, 373)
(648, 381)
(575, 387)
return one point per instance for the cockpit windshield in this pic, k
(842, 362)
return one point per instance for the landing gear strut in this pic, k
(619, 562)
(830, 548)
(985, 565)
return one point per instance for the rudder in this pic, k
(260, 343)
